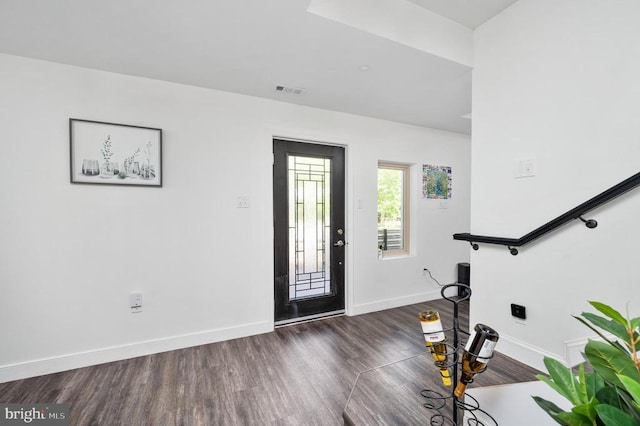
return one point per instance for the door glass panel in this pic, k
(309, 227)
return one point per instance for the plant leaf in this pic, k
(612, 416)
(563, 377)
(628, 405)
(610, 312)
(621, 320)
(574, 419)
(588, 410)
(632, 386)
(595, 330)
(594, 384)
(609, 395)
(554, 386)
(551, 409)
(582, 381)
(608, 362)
(613, 327)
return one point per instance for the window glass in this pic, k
(393, 208)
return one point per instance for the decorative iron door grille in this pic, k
(309, 227)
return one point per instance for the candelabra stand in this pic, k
(438, 402)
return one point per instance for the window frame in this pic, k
(406, 207)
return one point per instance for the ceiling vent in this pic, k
(292, 90)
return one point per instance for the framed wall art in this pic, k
(115, 154)
(436, 182)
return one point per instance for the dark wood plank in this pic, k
(297, 375)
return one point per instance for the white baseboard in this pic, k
(526, 353)
(510, 346)
(381, 305)
(66, 362)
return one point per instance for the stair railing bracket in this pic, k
(589, 223)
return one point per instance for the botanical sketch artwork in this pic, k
(117, 154)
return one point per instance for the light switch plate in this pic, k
(135, 301)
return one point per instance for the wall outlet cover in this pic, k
(518, 311)
(525, 167)
(242, 202)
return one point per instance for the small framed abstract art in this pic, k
(436, 182)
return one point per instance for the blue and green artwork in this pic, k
(436, 182)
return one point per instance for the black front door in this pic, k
(309, 231)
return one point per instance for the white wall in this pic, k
(556, 80)
(71, 254)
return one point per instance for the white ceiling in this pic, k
(249, 47)
(470, 13)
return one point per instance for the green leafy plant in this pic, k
(610, 394)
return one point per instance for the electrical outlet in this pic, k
(518, 311)
(525, 167)
(242, 202)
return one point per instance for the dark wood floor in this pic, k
(298, 375)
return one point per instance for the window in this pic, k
(393, 208)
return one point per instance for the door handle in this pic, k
(339, 243)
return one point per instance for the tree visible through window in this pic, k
(393, 207)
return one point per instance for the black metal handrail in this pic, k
(575, 213)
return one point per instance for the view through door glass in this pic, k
(309, 233)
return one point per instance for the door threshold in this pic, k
(309, 318)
